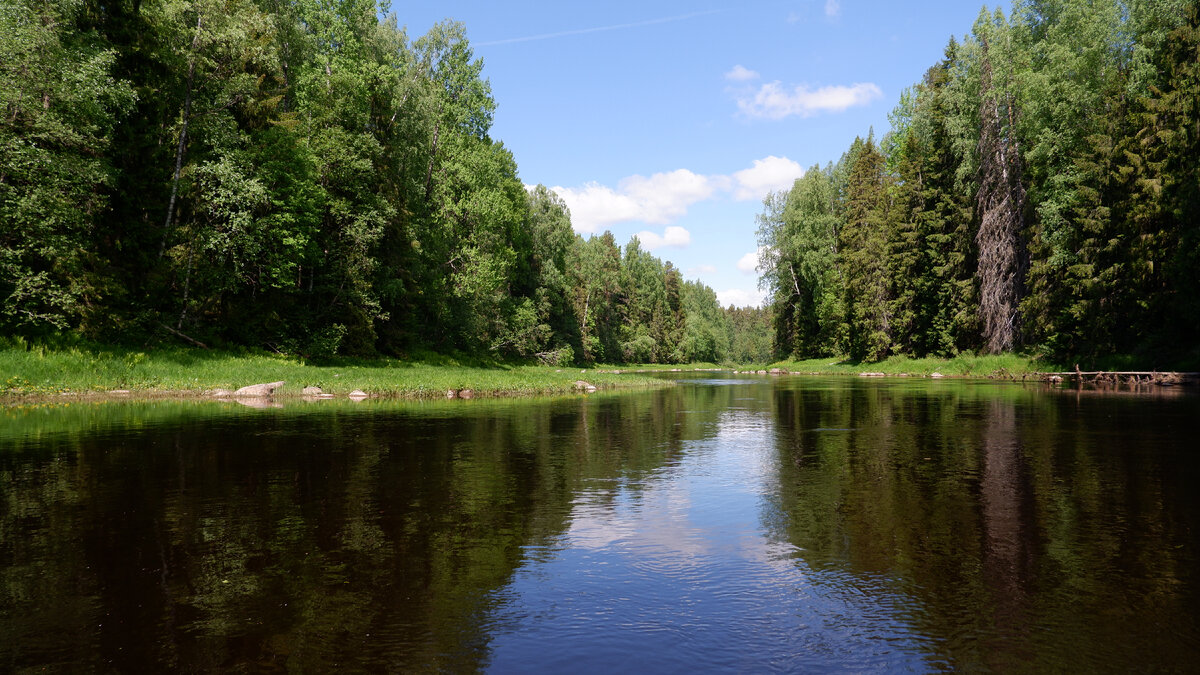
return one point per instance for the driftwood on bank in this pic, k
(182, 336)
(1120, 377)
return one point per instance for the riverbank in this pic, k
(996, 367)
(1001, 366)
(30, 370)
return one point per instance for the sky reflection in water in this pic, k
(753, 524)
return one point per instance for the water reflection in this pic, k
(1017, 522)
(1008, 532)
(673, 571)
(755, 524)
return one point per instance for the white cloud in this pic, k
(663, 198)
(748, 262)
(833, 8)
(702, 269)
(674, 236)
(594, 206)
(774, 101)
(769, 174)
(659, 199)
(740, 297)
(740, 73)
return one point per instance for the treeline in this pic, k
(1038, 189)
(300, 176)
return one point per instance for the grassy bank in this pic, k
(963, 365)
(39, 370)
(661, 367)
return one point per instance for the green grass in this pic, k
(27, 369)
(659, 367)
(963, 365)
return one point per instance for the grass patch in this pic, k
(659, 367)
(963, 365)
(28, 369)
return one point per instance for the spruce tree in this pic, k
(864, 248)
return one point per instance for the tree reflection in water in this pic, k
(1006, 527)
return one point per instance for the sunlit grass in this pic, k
(32, 369)
(658, 367)
(963, 365)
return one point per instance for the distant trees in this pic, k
(1038, 189)
(301, 176)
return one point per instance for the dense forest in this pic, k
(300, 176)
(1039, 189)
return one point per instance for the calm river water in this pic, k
(729, 523)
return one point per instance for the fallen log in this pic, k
(1115, 377)
(185, 337)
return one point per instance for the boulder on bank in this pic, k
(220, 393)
(584, 386)
(358, 393)
(312, 391)
(256, 390)
(778, 371)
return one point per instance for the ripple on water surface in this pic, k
(675, 573)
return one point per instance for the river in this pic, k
(728, 523)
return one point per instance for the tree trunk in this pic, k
(432, 158)
(1001, 203)
(187, 114)
(187, 285)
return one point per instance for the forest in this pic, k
(1038, 191)
(300, 176)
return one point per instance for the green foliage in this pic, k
(863, 243)
(750, 334)
(707, 328)
(297, 175)
(58, 106)
(799, 239)
(1038, 187)
(303, 176)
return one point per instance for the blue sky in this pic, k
(670, 120)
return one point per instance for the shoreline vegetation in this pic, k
(95, 371)
(99, 371)
(1034, 192)
(307, 179)
(304, 179)
(1014, 367)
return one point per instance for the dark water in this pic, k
(785, 524)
